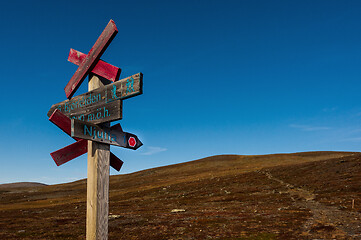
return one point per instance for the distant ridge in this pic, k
(216, 165)
(21, 185)
(227, 164)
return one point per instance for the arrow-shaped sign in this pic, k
(70, 152)
(102, 68)
(91, 59)
(114, 135)
(102, 104)
(76, 149)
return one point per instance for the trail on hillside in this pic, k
(220, 197)
(342, 224)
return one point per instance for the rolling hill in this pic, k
(310, 195)
(21, 185)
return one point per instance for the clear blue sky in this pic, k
(220, 77)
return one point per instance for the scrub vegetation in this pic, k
(311, 195)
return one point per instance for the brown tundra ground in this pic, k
(312, 195)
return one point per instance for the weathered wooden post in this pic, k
(97, 183)
(86, 118)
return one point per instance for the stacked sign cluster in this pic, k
(81, 117)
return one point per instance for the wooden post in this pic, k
(101, 108)
(97, 183)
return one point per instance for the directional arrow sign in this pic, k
(102, 68)
(102, 104)
(76, 149)
(91, 59)
(70, 152)
(114, 135)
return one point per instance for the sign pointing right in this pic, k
(114, 135)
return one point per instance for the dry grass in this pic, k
(224, 197)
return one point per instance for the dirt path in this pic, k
(326, 220)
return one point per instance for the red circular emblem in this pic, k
(132, 142)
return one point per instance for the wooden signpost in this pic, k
(86, 118)
(114, 135)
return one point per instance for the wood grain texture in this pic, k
(97, 113)
(97, 183)
(101, 68)
(101, 101)
(97, 191)
(74, 150)
(113, 136)
(91, 59)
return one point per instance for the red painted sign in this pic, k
(115, 162)
(102, 68)
(122, 89)
(76, 149)
(70, 152)
(91, 59)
